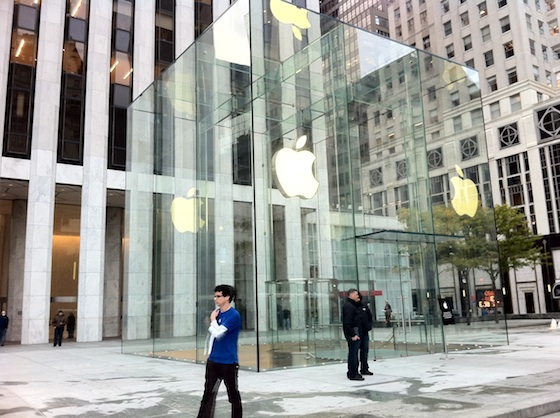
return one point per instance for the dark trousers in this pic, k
(3, 336)
(353, 348)
(58, 331)
(364, 350)
(215, 373)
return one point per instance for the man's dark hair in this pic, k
(352, 290)
(226, 290)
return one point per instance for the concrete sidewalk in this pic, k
(96, 380)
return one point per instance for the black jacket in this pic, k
(351, 318)
(365, 318)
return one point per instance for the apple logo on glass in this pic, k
(465, 201)
(184, 213)
(289, 13)
(293, 171)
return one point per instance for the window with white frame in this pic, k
(485, 33)
(465, 19)
(495, 111)
(489, 58)
(467, 42)
(504, 23)
(515, 102)
(508, 50)
(447, 29)
(492, 83)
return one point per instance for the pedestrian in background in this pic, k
(366, 324)
(223, 362)
(58, 322)
(4, 321)
(388, 314)
(351, 329)
(71, 325)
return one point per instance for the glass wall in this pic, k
(296, 157)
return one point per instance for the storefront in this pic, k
(295, 157)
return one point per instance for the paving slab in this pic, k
(519, 380)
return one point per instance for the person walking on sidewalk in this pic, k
(58, 322)
(366, 324)
(223, 362)
(71, 325)
(4, 321)
(351, 329)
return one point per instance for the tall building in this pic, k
(141, 166)
(68, 71)
(515, 47)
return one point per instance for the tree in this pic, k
(495, 241)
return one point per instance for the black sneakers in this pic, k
(357, 377)
(368, 373)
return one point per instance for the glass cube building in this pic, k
(296, 157)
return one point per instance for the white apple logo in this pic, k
(465, 201)
(185, 213)
(293, 170)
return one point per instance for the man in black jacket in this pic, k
(351, 328)
(366, 324)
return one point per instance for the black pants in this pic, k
(353, 349)
(215, 373)
(364, 350)
(58, 331)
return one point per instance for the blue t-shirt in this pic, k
(224, 350)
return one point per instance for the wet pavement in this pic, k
(519, 380)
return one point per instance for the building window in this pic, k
(121, 82)
(21, 81)
(495, 110)
(411, 25)
(470, 63)
(553, 27)
(165, 34)
(489, 58)
(502, 3)
(485, 33)
(482, 9)
(426, 42)
(515, 102)
(549, 123)
(398, 29)
(424, 16)
(432, 94)
(541, 28)
(376, 177)
(474, 91)
(457, 124)
(450, 49)
(73, 89)
(512, 76)
(401, 169)
(467, 42)
(445, 6)
(465, 19)
(438, 190)
(536, 73)
(476, 117)
(504, 23)
(508, 50)
(492, 83)
(447, 29)
(428, 63)
(545, 53)
(202, 15)
(550, 5)
(508, 135)
(469, 148)
(435, 159)
(528, 22)
(455, 99)
(532, 47)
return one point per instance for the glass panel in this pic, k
(280, 203)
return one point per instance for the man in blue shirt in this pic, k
(223, 363)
